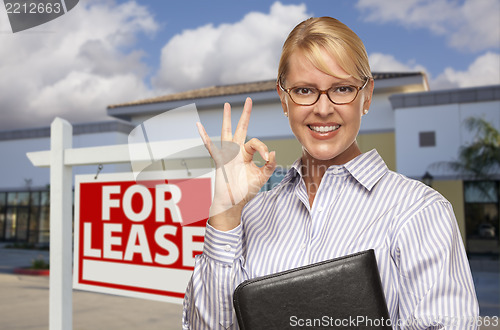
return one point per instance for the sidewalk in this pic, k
(25, 300)
(486, 274)
(24, 303)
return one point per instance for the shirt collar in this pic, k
(293, 171)
(368, 168)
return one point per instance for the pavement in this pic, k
(24, 302)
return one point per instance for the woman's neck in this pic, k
(312, 173)
(313, 169)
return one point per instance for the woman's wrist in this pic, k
(228, 219)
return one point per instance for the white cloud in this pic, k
(247, 50)
(83, 96)
(74, 66)
(485, 70)
(468, 25)
(385, 62)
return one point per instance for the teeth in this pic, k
(324, 129)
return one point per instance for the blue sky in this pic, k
(407, 44)
(110, 51)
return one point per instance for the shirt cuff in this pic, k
(222, 246)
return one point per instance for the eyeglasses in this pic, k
(339, 94)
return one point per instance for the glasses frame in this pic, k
(321, 92)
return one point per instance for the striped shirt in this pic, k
(360, 205)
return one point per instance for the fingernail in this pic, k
(266, 156)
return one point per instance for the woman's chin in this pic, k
(319, 154)
(332, 154)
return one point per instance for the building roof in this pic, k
(242, 88)
(78, 129)
(446, 96)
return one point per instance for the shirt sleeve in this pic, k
(436, 289)
(218, 270)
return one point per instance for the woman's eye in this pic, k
(344, 89)
(303, 91)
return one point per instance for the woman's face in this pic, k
(326, 131)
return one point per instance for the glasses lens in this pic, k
(342, 94)
(304, 95)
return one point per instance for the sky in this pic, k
(105, 52)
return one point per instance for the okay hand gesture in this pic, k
(238, 179)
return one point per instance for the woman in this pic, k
(334, 200)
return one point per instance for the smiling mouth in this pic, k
(323, 129)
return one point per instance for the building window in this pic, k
(24, 217)
(427, 139)
(482, 216)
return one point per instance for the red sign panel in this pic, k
(139, 239)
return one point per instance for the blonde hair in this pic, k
(326, 33)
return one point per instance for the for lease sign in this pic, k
(139, 239)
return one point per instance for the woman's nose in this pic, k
(324, 106)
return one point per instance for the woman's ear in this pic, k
(282, 99)
(368, 94)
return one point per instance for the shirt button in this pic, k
(303, 246)
(320, 208)
(227, 248)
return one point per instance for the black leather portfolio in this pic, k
(342, 293)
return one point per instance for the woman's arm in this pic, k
(435, 283)
(208, 299)
(219, 269)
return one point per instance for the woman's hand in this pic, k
(238, 179)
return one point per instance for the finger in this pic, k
(270, 166)
(256, 145)
(226, 133)
(214, 152)
(204, 137)
(242, 128)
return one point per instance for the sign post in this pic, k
(61, 158)
(60, 295)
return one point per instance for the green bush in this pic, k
(39, 263)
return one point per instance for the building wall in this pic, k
(380, 116)
(15, 166)
(447, 123)
(444, 113)
(287, 151)
(383, 142)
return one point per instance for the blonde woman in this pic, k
(334, 200)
